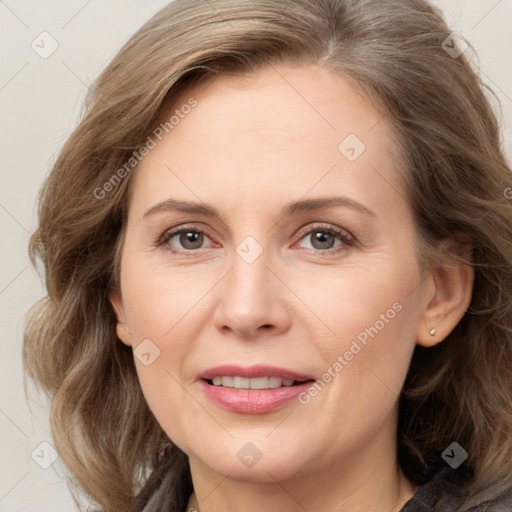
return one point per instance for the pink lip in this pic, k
(252, 372)
(252, 401)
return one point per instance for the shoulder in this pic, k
(169, 486)
(497, 498)
(445, 493)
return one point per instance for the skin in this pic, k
(251, 145)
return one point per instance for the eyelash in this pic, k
(346, 238)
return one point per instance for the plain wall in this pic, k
(40, 104)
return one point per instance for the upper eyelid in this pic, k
(319, 226)
(171, 232)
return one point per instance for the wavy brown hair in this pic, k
(455, 174)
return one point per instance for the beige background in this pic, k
(40, 102)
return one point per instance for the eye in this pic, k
(188, 239)
(323, 238)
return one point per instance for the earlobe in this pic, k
(122, 330)
(123, 334)
(450, 295)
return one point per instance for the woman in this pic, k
(279, 270)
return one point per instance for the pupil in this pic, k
(191, 239)
(323, 239)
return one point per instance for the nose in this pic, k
(252, 300)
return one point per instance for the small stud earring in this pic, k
(432, 332)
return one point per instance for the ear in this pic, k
(449, 292)
(122, 330)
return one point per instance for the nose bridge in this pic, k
(250, 297)
(250, 272)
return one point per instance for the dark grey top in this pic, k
(443, 493)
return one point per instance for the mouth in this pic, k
(253, 389)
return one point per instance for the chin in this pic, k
(243, 461)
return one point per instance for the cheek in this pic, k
(369, 317)
(160, 300)
(359, 302)
(164, 308)
(168, 399)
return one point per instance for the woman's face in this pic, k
(274, 271)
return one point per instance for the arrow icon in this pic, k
(146, 352)
(454, 455)
(352, 147)
(44, 455)
(249, 253)
(455, 45)
(249, 455)
(44, 45)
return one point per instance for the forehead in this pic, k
(305, 128)
(298, 98)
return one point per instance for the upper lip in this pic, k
(252, 372)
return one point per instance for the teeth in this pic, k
(257, 383)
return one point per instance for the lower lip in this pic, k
(253, 401)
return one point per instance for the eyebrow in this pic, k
(289, 209)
